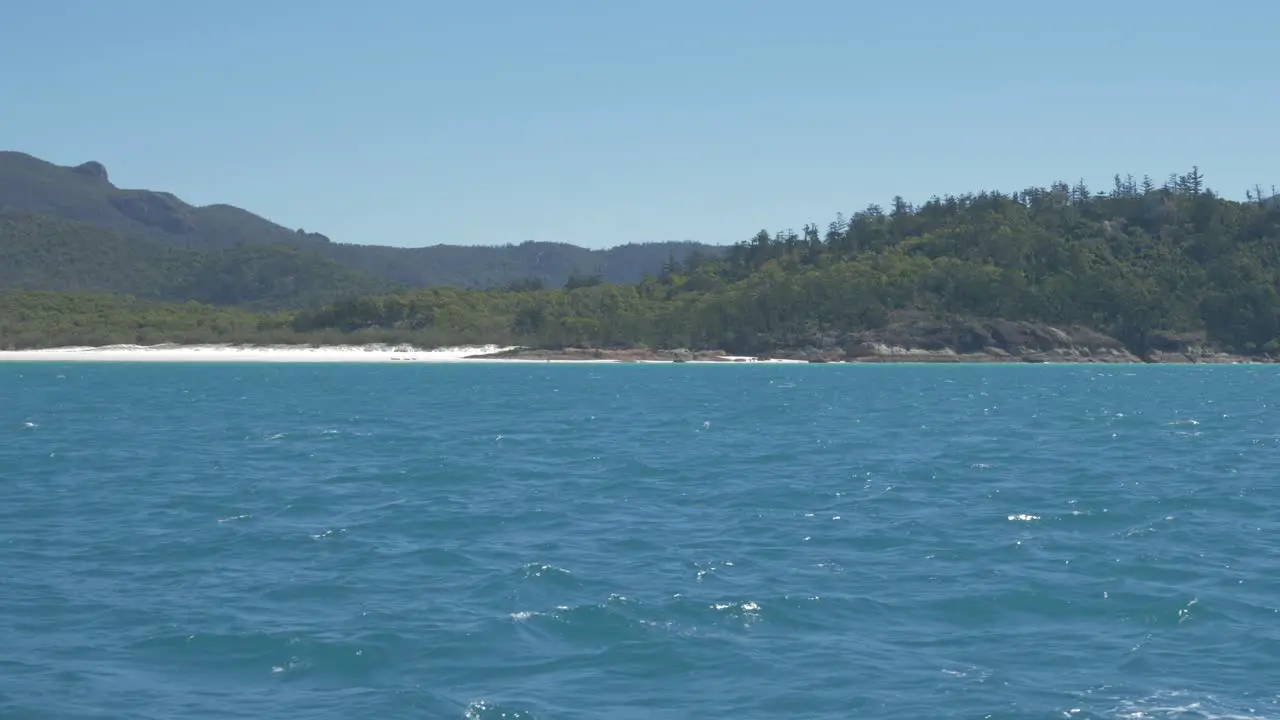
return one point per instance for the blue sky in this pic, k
(416, 122)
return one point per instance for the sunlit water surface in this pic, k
(638, 541)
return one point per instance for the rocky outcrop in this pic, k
(92, 169)
(1164, 347)
(931, 340)
(924, 339)
(616, 354)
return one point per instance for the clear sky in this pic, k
(599, 122)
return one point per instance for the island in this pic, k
(1137, 272)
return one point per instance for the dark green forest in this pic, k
(1137, 260)
(45, 253)
(1131, 260)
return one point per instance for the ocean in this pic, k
(520, 541)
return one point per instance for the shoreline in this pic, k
(498, 354)
(245, 353)
(897, 356)
(362, 354)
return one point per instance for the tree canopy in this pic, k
(1133, 261)
(1129, 261)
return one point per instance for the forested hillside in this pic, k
(1138, 261)
(546, 264)
(1154, 265)
(34, 319)
(84, 194)
(44, 253)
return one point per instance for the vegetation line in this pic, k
(1139, 270)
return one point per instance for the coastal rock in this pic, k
(864, 349)
(1189, 344)
(922, 339)
(1192, 347)
(680, 355)
(925, 339)
(830, 353)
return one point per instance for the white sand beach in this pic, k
(230, 353)
(306, 354)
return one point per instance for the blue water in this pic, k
(655, 541)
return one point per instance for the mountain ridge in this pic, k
(85, 194)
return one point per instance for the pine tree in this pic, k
(1193, 182)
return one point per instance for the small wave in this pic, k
(591, 624)
(533, 570)
(573, 566)
(705, 569)
(485, 710)
(1184, 706)
(240, 655)
(748, 611)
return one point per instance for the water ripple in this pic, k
(530, 541)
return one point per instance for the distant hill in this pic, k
(84, 194)
(45, 253)
(551, 264)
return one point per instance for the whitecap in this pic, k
(539, 569)
(1180, 705)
